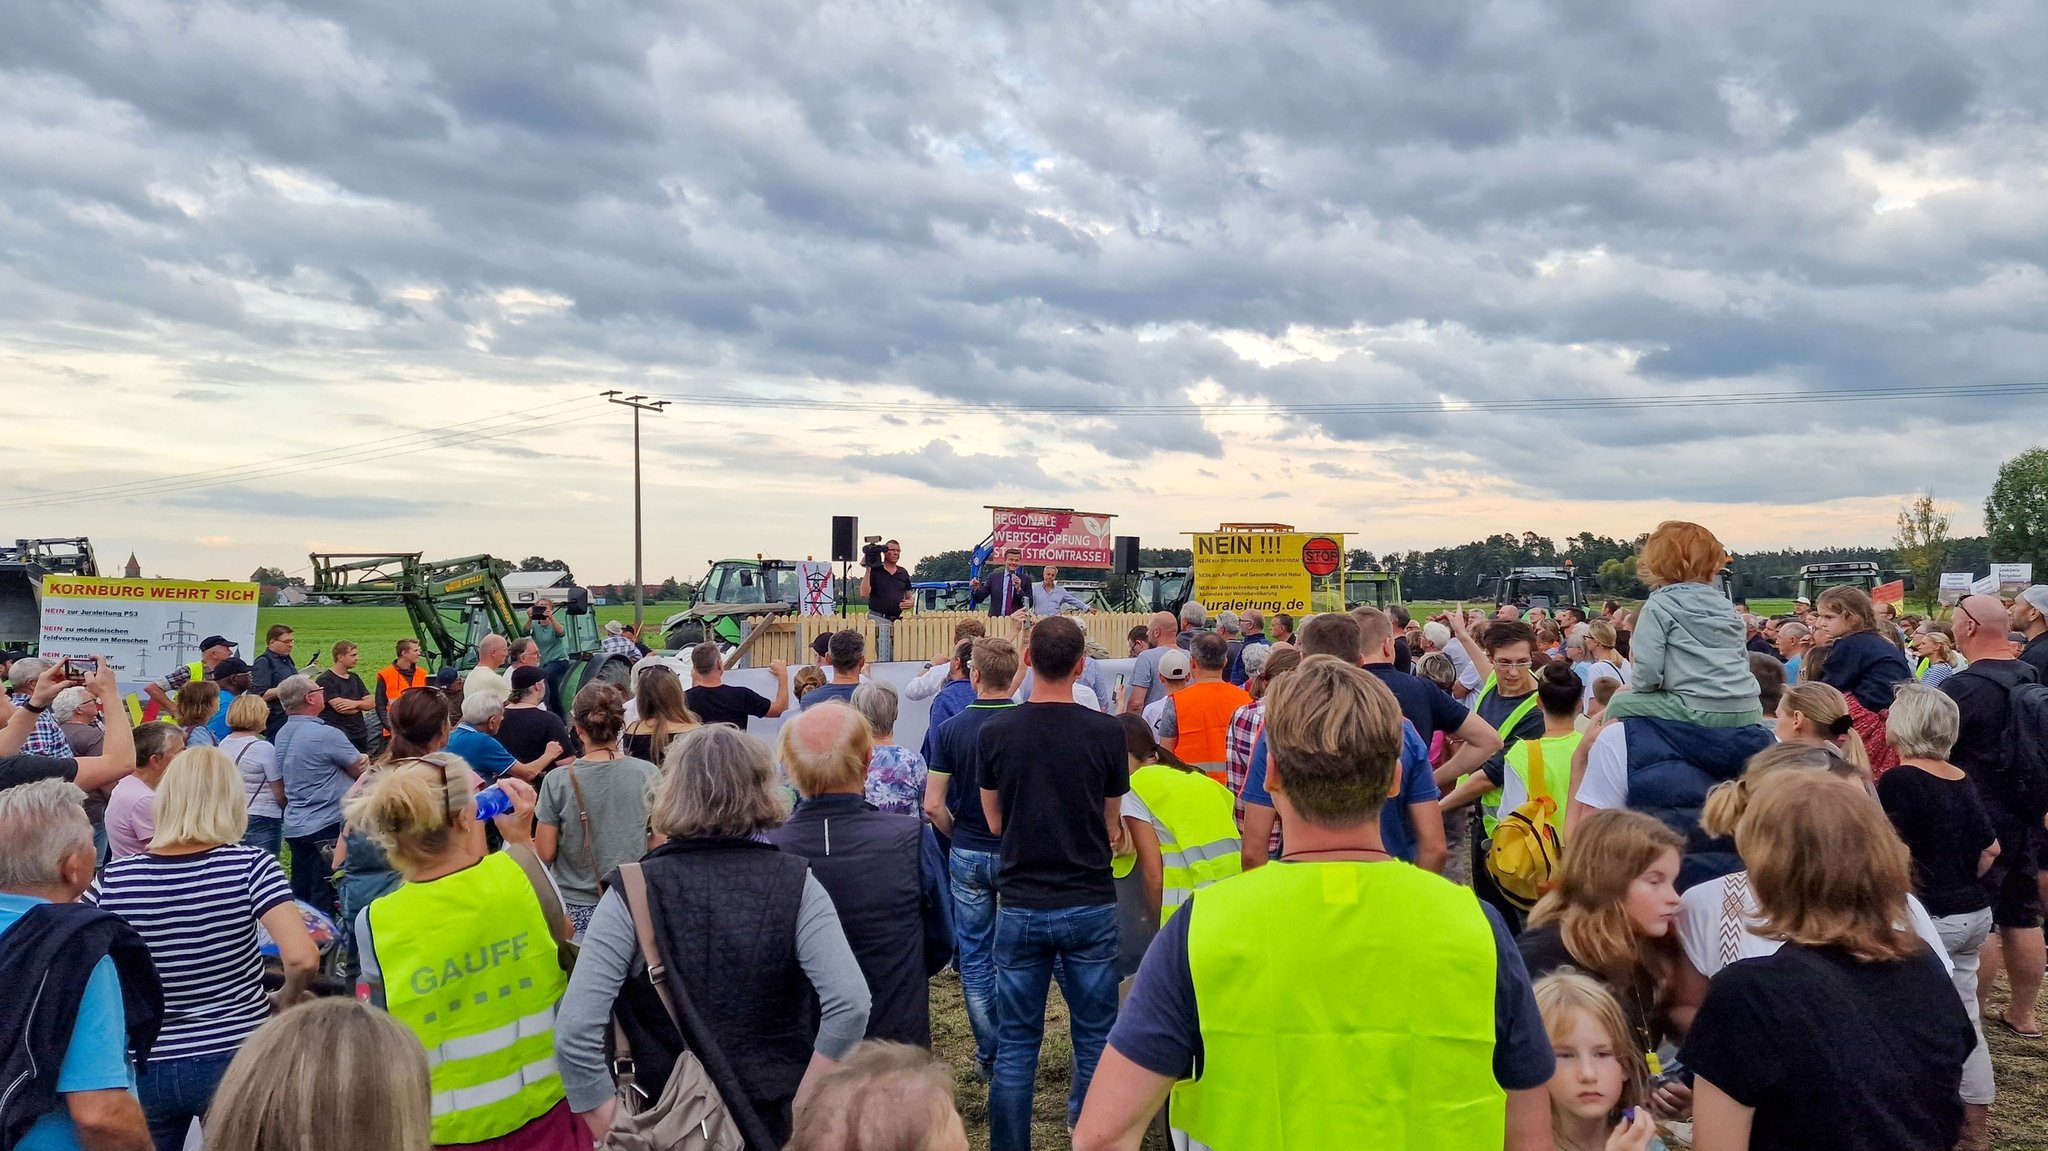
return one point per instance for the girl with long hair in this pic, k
(1599, 1092)
(1610, 916)
(193, 709)
(662, 715)
(332, 1075)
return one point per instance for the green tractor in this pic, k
(1549, 588)
(1817, 578)
(453, 604)
(733, 594)
(1371, 589)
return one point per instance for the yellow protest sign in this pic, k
(1294, 572)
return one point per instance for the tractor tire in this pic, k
(616, 670)
(688, 634)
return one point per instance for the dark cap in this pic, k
(9, 655)
(524, 677)
(822, 644)
(230, 666)
(216, 641)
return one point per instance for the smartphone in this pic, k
(76, 668)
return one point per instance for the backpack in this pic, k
(1525, 856)
(2024, 768)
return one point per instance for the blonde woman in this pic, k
(331, 1075)
(470, 932)
(1936, 656)
(262, 779)
(1849, 1036)
(195, 896)
(1815, 714)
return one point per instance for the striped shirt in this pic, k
(198, 915)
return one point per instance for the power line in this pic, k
(1575, 403)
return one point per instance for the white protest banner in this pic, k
(1986, 586)
(2012, 578)
(1954, 586)
(814, 578)
(144, 627)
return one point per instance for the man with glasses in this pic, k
(1983, 694)
(887, 588)
(318, 764)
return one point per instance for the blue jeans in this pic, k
(266, 832)
(1029, 941)
(974, 933)
(312, 874)
(174, 1092)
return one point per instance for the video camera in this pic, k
(871, 551)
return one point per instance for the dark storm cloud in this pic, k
(1064, 205)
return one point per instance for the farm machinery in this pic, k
(22, 568)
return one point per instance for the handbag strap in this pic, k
(583, 816)
(675, 999)
(550, 902)
(1734, 916)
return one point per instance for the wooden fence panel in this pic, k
(924, 636)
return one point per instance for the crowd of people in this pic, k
(1616, 880)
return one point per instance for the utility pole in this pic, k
(638, 404)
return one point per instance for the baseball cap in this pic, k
(524, 677)
(232, 665)
(216, 641)
(1804, 600)
(2037, 595)
(1174, 665)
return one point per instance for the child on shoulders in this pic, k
(1689, 661)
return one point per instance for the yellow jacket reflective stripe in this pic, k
(1194, 819)
(1342, 1005)
(470, 968)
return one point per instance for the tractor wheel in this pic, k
(688, 633)
(616, 670)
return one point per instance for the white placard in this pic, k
(1986, 586)
(144, 627)
(2012, 578)
(814, 583)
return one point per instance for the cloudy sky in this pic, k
(281, 277)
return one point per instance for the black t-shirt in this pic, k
(727, 703)
(1429, 707)
(1053, 765)
(352, 724)
(1945, 827)
(1981, 693)
(527, 731)
(886, 591)
(2035, 654)
(1404, 659)
(1834, 1052)
(1495, 709)
(1543, 951)
(16, 770)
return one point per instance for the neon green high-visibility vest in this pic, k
(470, 967)
(1195, 820)
(1342, 1005)
(1557, 772)
(1489, 804)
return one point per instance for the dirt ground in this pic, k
(2019, 1120)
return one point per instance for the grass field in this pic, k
(2019, 1120)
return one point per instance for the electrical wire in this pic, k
(1577, 403)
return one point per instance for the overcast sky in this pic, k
(245, 234)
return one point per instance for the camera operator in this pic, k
(887, 588)
(551, 638)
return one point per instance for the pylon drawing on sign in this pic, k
(179, 638)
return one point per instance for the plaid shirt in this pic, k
(1238, 742)
(619, 645)
(48, 737)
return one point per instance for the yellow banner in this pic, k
(1294, 572)
(150, 590)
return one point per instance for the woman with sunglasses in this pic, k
(464, 954)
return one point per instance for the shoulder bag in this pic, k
(689, 1115)
(551, 908)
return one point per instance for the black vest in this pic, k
(725, 912)
(869, 863)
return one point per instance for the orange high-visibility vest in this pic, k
(1201, 713)
(395, 685)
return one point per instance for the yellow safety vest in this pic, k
(1489, 804)
(1342, 1004)
(1557, 772)
(1196, 822)
(470, 967)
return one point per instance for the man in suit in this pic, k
(1007, 590)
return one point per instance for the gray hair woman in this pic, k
(896, 774)
(77, 711)
(717, 795)
(1936, 809)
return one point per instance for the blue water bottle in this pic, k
(492, 802)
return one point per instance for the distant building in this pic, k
(134, 568)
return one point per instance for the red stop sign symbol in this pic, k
(1321, 556)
